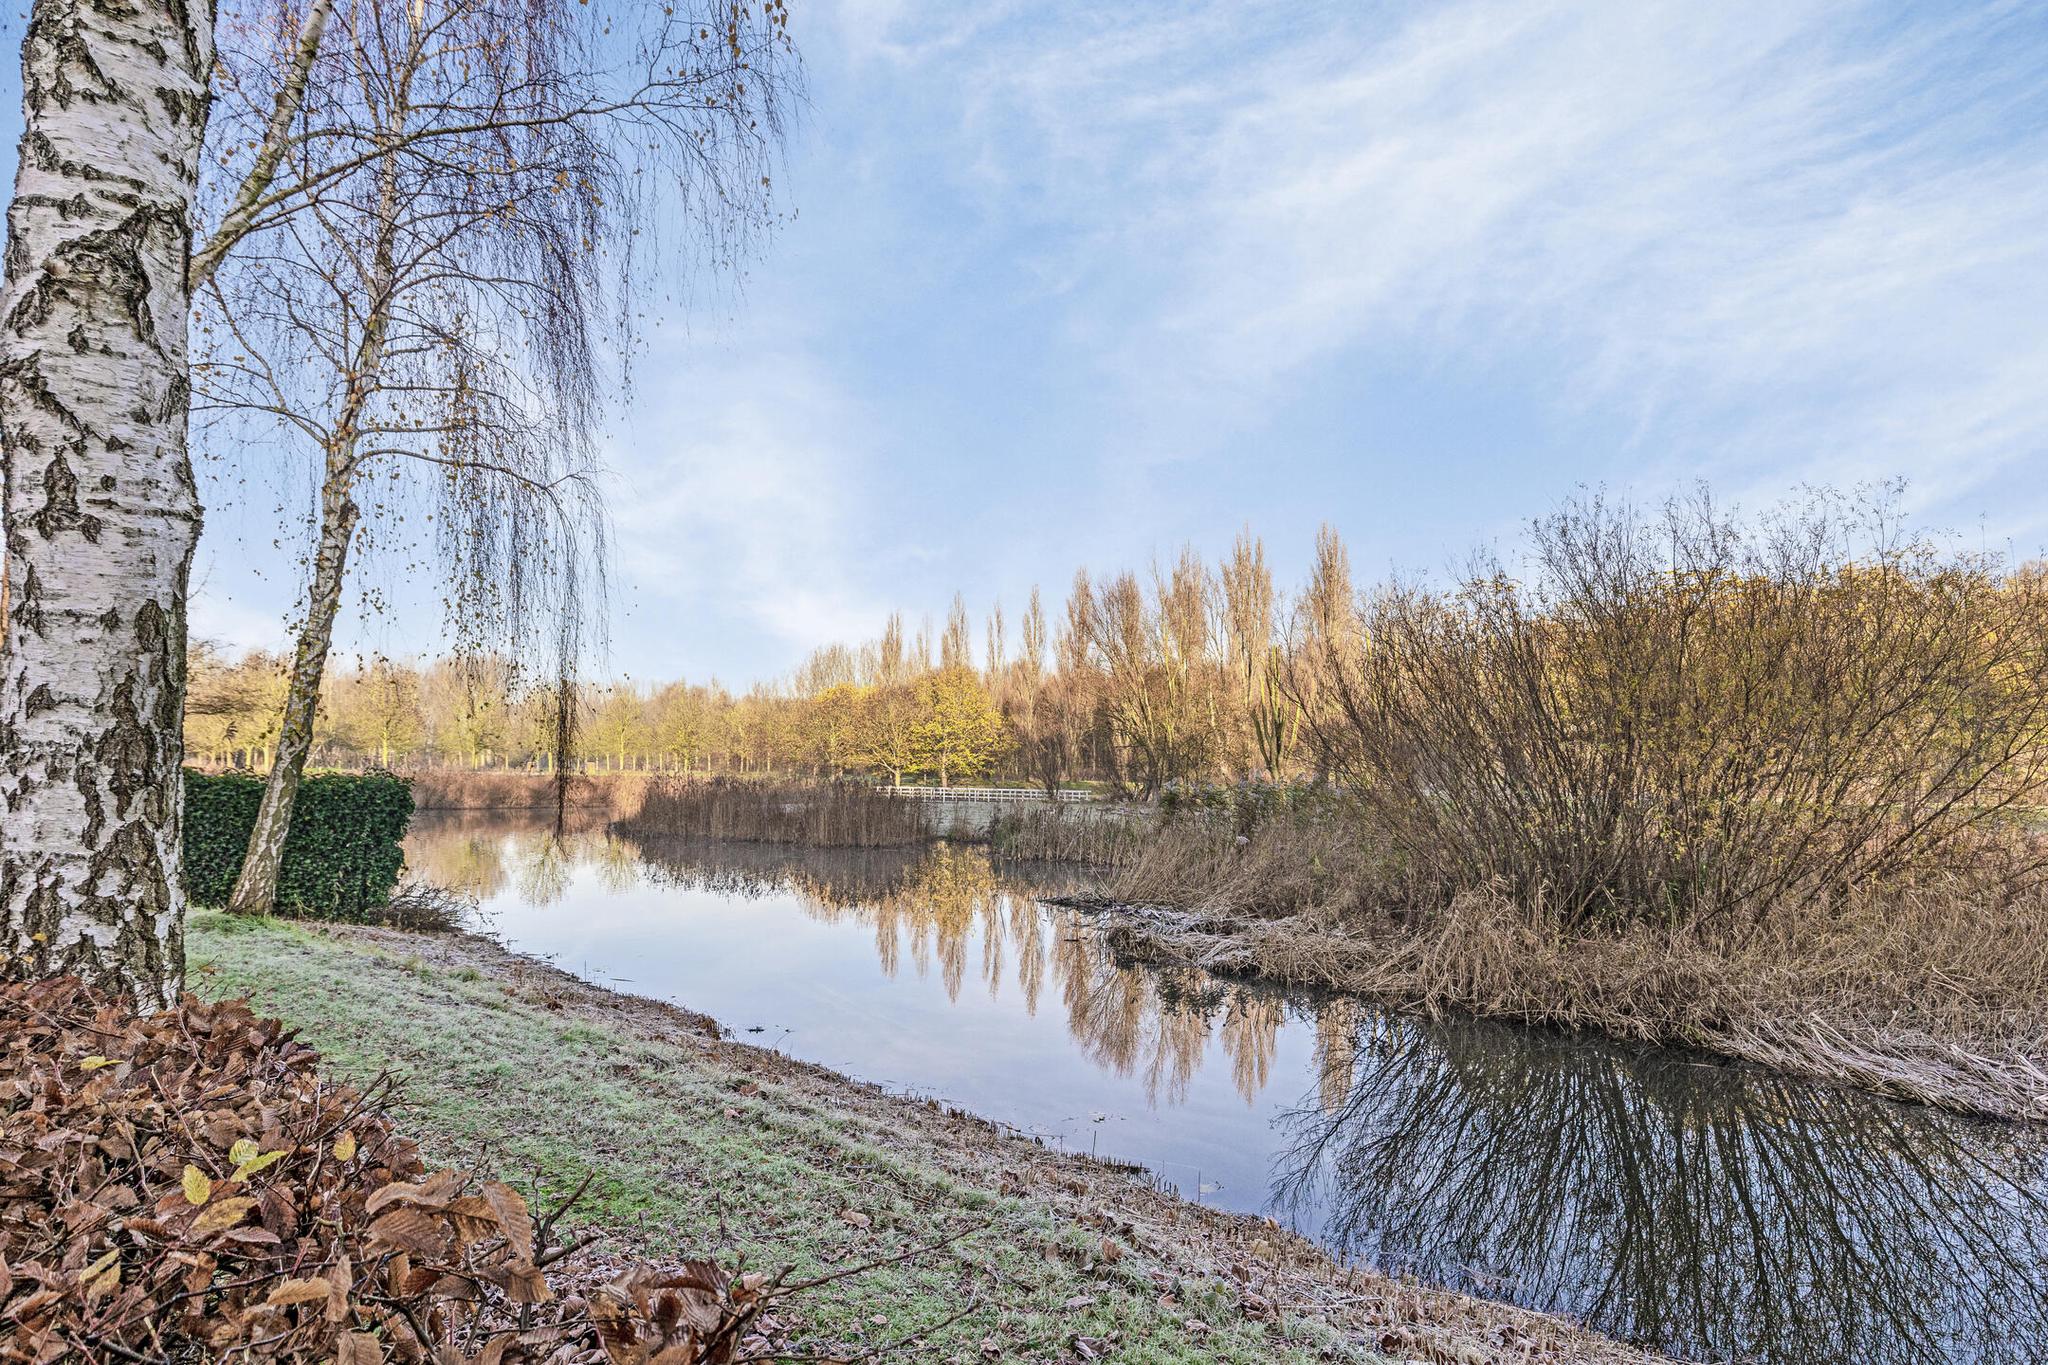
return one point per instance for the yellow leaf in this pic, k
(95, 1062)
(257, 1163)
(345, 1147)
(299, 1291)
(244, 1149)
(198, 1189)
(97, 1266)
(222, 1216)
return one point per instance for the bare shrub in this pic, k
(1686, 717)
(425, 907)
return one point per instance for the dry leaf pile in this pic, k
(185, 1187)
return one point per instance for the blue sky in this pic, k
(1073, 283)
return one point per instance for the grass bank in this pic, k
(1928, 989)
(695, 1144)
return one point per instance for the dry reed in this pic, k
(1049, 833)
(1932, 991)
(619, 794)
(825, 815)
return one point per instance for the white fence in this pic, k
(983, 793)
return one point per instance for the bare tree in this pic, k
(1155, 662)
(427, 304)
(101, 510)
(955, 647)
(1047, 709)
(1327, 644)
(997, 660)
(1254, 660)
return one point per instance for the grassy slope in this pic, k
(706, 1146)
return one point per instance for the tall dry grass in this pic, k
(1933, 992)
(823, 814)
(1059, 833)
(1932, 987)
(1314, 859)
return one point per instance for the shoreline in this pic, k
(1640, 989)
(1072, 1256)
(1899, 1063)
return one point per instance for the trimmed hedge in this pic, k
(341, 859)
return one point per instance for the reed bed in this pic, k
(618, 794)
(1933, 993)
(1934, 990)
(824, 815)
(1054, 833)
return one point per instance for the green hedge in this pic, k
(341, 859)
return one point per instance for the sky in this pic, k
(1068, 283)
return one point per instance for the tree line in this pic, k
(1675, 678)
(1139, 681)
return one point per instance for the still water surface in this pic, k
(1716, 1212)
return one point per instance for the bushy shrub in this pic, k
(341, 859)
(1690, 717)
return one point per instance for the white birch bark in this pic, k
(101, 510)
(258, 184)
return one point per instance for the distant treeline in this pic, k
(1177, 675)
(1815, 655)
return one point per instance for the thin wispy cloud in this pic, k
(742, 508)
(1812, 238)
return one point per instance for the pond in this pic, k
(1707, 1210)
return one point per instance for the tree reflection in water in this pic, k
(931, 908)
(1700, 1208)
(1710, 1210)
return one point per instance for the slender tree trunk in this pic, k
(250, 196)
(101, 509)
(256, 885)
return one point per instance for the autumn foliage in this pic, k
(185, 1186)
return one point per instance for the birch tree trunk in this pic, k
(101, 509)
(259, 182)
(256, 884)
